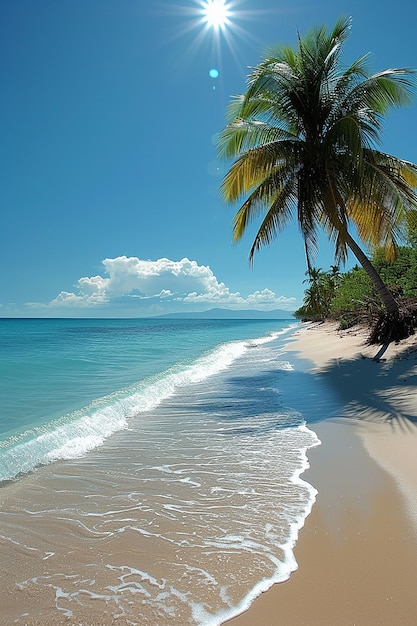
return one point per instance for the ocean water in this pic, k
(150, 470)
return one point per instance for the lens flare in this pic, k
(213, 27)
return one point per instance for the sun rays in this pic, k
(216, 13)
(210, 27)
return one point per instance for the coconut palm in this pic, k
(304, 138)
(315, 295)
(321, 290)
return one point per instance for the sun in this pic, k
(216, 13)
(213, 26)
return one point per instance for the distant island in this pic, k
(247, 314)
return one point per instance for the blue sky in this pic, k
(109, 192)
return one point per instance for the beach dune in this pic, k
(357, 552)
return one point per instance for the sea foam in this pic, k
(184, 515)
(75, 434)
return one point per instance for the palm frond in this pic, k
(254, 166)
(279, 214)
(242, 135)
(303, 138)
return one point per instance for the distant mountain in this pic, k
(249, 314)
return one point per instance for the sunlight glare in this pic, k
(213, 23)
(216, 13)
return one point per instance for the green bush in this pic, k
(351, 297)
(355, 298)
(400, 276)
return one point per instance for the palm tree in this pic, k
(312, 306)
(315, 294)
(314, 276)
(321, 291)
(334, 273)
(332, 279)
(304, 138)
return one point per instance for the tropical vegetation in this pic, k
(351, 298)
(304, 141)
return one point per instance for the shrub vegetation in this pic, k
(351, 297)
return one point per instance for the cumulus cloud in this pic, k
(130, 279)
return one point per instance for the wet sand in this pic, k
(172, 520)
(357, 552)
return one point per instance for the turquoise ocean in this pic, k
(150, 469)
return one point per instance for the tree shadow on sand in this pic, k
(380, 391)
(359, 389)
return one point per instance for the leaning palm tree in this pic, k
(304, 138)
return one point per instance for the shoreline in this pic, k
(357, 551)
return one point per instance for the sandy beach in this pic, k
(357, 552)
(204, 488)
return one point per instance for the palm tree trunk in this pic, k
(396, 323)
(385, 294)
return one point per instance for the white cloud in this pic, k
(131, 280)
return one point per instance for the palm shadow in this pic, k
(359, 388)
(379, 391)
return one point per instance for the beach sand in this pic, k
(357, 552)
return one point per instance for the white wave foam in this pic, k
(284, 567)
(73, 435)
(250, 501)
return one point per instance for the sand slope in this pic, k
(357, 553)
